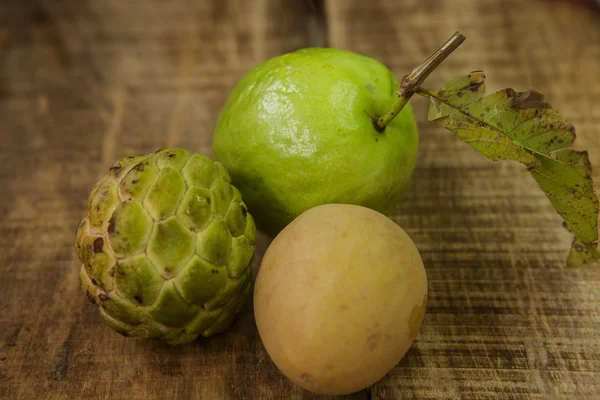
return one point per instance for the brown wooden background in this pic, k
(85, 82)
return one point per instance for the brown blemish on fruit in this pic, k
(343, 307)
(373, 340)
(98, 244)
(416, 318)
(474, 87)
(115, 169)
(90, 297)
(306, 378)
(387, 338)
(111, 225)
(138, 298)
(103, 297)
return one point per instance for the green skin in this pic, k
(166, 247)
(298, 132)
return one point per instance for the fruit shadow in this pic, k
(262, 243)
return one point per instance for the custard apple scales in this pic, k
(166, 247)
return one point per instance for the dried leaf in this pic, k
(520, 126)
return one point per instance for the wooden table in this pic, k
(85, 82)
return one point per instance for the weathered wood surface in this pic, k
(84, 82)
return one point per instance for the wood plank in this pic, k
(83, 83)
(505, 319)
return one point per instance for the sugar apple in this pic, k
(166, 246)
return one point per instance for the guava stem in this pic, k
(410, 83)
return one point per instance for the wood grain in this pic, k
(84, 82)
(505, 319)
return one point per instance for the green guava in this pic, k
(298, 132)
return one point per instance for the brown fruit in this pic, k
(339, 298)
